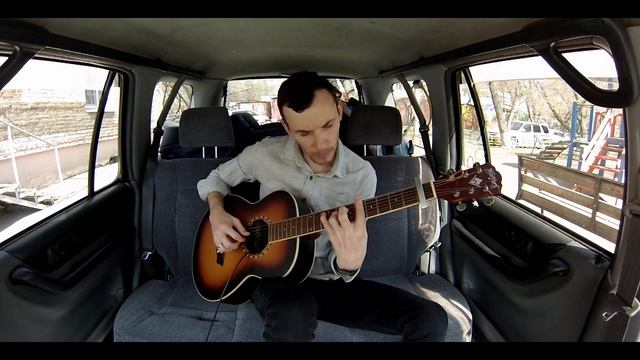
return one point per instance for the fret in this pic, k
(381, 205)
(369, 207)
(395, 201)
(428, 193)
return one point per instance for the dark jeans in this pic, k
(290, 311)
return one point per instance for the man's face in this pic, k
(316, 130)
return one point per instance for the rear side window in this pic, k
(259, 97)
(399, 99)
(47, 116)
(559, 155)
(182, 102)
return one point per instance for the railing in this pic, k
(13, 152)
(598, 140)
(572, 195)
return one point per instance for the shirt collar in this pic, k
(291, 152)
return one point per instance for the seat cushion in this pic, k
(173, 311)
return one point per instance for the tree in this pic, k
(506, 97)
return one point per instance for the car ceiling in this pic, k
(238, 47)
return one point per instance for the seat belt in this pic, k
(424, 128)
(625, 276)
(433, 248)
(152, 264)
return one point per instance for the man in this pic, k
(312, 164)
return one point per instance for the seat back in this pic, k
(178, 208)
(395, 240)
(206, 125)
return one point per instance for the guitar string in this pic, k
(409, 197)
(408, 192)
(270, 227)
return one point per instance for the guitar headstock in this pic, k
(480, 181)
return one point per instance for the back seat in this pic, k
(173, 311)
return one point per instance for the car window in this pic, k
(560, 155)
(259, 97)
(182, 101)
(46, 125)
(399, 99)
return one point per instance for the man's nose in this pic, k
(322, 141)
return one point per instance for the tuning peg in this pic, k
(488, 201)
(461, 206)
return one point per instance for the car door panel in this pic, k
(65, 279)
(532, 282)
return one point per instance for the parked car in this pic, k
(530, 134)
(109, 255)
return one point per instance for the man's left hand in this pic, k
(349, 239)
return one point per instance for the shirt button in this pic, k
(311, 177)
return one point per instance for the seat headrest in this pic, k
(207, 126)
(374, 125)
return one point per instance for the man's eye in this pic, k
(328, 125)
(304, 134)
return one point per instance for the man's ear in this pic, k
(340, 109)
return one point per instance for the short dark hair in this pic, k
(298, 90)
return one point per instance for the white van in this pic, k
(530, 134)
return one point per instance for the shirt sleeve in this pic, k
(231, 173)
(368, 187)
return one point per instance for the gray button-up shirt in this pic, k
(276, 162)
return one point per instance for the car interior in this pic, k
(107, 125)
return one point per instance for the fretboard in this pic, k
(379, 205)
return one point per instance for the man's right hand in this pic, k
(227, 230)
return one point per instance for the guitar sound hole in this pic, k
(259, 237)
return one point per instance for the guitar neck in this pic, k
(379, 205)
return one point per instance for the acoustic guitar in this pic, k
(282, 232)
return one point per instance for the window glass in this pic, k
(597, 66)
(107, 159)
(46, 127)
(259, 97)
(558, 154)
(399, 99)
(182, 101)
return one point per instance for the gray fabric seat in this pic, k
(173, 311)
